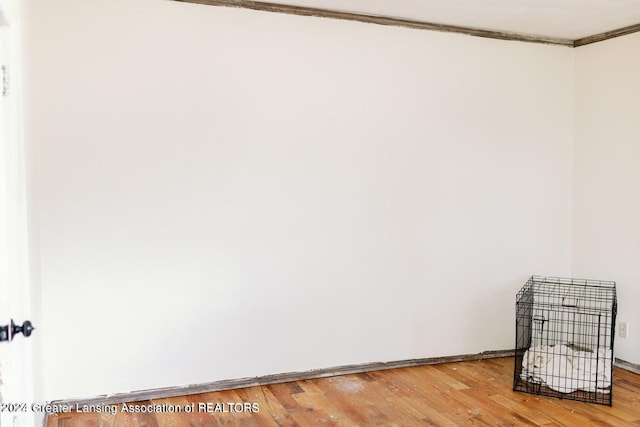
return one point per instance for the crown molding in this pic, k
(607, 35)
(419, 25)
(381, 20)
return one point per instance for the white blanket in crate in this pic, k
(566, 370)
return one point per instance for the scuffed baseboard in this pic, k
(161, 393)
(623, 364)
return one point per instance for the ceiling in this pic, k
(565, 19)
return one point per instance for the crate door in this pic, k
(592, 331)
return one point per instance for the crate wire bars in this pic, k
(564, 338)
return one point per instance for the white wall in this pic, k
(225, 193)
(607, 176)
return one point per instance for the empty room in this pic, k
(319, 212)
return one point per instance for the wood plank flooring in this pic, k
(452, 394)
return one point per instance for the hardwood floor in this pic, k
(452, 394)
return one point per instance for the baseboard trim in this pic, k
(162, 393)
(628, 366)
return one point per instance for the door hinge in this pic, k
(5, 80)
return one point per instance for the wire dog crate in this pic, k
(564, 338)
